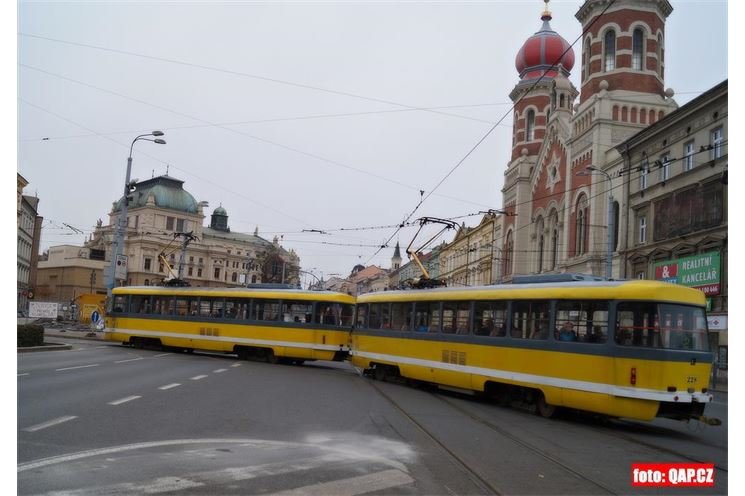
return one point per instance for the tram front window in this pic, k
(661, 325)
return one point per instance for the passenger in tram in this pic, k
(566, 333)
(499, 330)
(422, 327)
(595, 335)
(487, 328)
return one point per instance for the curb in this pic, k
(47, 347)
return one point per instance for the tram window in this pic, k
(376, 317)
(346, 317)
(530, 319)
(140, 304)
(163, 305)
(182, 306)
(361, 319)
(120, 303)
(235, 308)
(456, 317)
(295, 311)
(193, 306)
(661, 325)
(205, 307)
(401, 316)
(427, 317)
(581, 321)
(267, 310)
(490, 318)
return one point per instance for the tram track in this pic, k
(500, 431)
(484, 484)
(517, 440)
(653, 446)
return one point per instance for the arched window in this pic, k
(554, 226)
(610, 50)
(616, 221)
(507, 261)
(530, 126)
(541, 242)
(660, 55)
(586, 60)
(637, 56)
(580, 240)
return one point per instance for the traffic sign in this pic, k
(95, 316)
(121, 267)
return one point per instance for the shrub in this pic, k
(30, 335)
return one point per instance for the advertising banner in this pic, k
(42, 310)
(697, 271)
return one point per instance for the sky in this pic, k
(296, 116)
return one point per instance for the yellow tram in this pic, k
(273, 324)
(634, 349)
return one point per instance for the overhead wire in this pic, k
(509, 112)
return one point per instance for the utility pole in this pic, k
(188, 238)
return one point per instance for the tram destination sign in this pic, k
(697, 271)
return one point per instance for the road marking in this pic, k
(198, 377)
(51, 423)
(236, 365)
(169, 386)
(379, 481)
(78, 367)
(219, 371)
(20, 375)
(162, 355)
(130, 360)
(124, 400)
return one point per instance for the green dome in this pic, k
(220, 211)
(166, 191)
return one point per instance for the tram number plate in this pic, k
(692, 379)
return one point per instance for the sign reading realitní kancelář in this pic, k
(697, 271)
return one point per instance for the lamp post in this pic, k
(590, 170)
(121, 225)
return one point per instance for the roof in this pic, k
(167, 192)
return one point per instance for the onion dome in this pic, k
(542, 51)
(220, 211)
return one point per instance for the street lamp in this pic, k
(590, 170)
(121, 226)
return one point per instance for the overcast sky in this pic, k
(295, 116)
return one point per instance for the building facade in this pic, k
(68, 272)
(675, 176)
(27, 247)
(166, 239)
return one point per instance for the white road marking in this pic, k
(130, 360)
(378, 481)
(169, 386)
(78, 367)
(219, 371)
(124, 400)
(198, 377)
(162, 355)
(51, 423)
(20, 375)
(236, 365)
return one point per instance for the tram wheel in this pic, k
(271, 357)
(542, 408)
(380, 372)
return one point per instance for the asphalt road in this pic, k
(105, 419)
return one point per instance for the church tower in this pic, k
(543, 60)
(396, 259)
